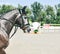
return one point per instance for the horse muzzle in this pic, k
(26, 29)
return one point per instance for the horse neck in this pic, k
(11, 16)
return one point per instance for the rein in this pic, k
(15, 30)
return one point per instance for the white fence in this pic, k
(50, 29)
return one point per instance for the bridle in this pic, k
(22, 26)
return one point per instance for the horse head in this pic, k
(22, 20)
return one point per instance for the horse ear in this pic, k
(23, 10)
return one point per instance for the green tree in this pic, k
(19, 6)
(5, 8)
(57, 7)
(50, 17)
(36, 9)
(58, 16)
(43, 16)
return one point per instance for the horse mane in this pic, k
(1, 15)
(7, 12)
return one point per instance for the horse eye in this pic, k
(25, 17)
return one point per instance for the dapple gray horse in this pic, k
(7, 21)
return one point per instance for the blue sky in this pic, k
(29, 2)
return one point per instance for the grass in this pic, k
(54, 24)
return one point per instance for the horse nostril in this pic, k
(29, 30)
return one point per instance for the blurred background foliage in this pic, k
(37, 12)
